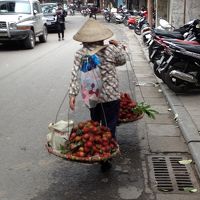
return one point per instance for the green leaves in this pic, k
(64, 149)
(79, 132)
(146, 109)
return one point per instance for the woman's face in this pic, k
(93, 43)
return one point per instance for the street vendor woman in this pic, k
(92, 35)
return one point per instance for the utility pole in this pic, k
(150, 12)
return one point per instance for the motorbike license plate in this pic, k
(48, 23)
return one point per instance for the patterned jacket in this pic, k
(110, 57)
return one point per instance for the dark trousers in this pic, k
(107, 114)
(60, 28)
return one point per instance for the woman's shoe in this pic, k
(106, 165)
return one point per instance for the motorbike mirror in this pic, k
(164, 23)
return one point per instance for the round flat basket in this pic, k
(137, 117)
(89, 160)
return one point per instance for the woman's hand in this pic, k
(72, 102)
(114, 42)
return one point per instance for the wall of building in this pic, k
(142, 3)
(177, 10)
(135, 4)
(162, 10)
(120, 2)
(183, 11)
(193, 10)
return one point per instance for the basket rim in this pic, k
(92, 159)
(132, 120)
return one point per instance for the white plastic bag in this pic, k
(59, 133)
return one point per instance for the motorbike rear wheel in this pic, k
(175, 84)
(137, 31)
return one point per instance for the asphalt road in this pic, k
(32, 86)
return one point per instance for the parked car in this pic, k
(49, 11)
(22, 21)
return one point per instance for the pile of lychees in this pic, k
(90, 141)
(126, 108)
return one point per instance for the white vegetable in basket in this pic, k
(59, 133)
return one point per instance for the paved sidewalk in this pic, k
(174, 131)
(186, 109)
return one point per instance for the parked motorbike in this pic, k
(118, 17)
(188, 32)
(85, 12)
(127, 16)
(146, 33)
(183, 71)
(139, 25)
(132, 21)
(161, 66)
(107, 14)
(165, 25)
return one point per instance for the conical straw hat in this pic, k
(92, 31)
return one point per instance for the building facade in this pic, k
(177, 12)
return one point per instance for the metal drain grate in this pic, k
(167, 175)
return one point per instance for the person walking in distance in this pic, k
(60, 22)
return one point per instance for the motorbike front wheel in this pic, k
(175, 84)
(125, 22)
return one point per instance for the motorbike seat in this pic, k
(169, 34)
(182, 41)
(189, 47)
